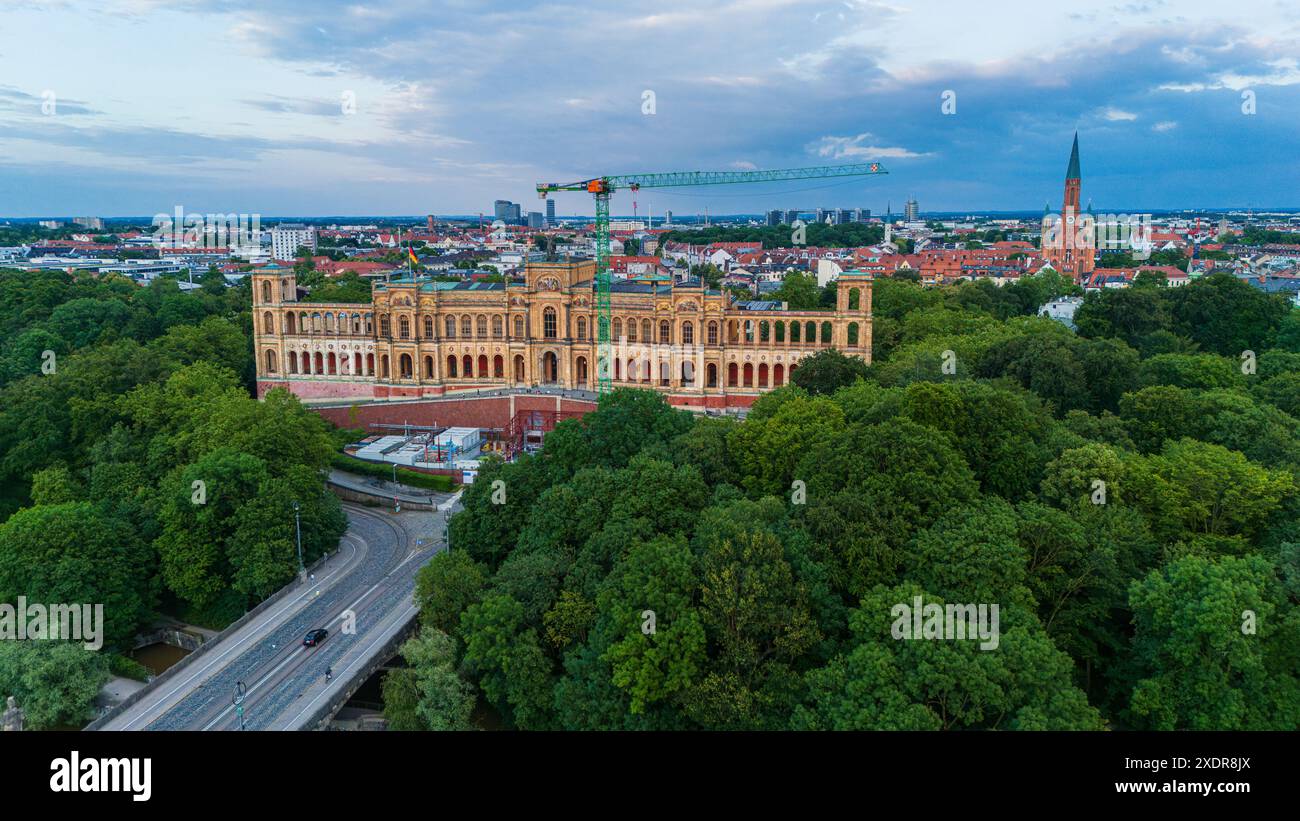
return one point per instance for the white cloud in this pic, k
(1164, 125)
(838, 148)
(1117, 115)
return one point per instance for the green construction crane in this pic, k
(603, 187)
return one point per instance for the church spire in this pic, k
(1072, 173)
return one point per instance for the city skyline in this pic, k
(234, 108)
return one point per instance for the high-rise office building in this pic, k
(508, 212)
(844, 216)
(288, 237)
(773, 218)
(535, 220)
(550, 213)
(911, 210)
(862, 215)
(668, 218)
(791, 217)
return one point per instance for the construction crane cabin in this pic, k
(602, 187)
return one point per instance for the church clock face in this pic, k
(1069, 220)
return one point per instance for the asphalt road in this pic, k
(372, 575)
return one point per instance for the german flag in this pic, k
(410, 254)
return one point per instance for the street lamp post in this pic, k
(397, 504)
(297, 526)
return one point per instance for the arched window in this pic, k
(266, 291)
(618, 329)
(498, 367)
(406, 365)
(293, 361)
(290, 323)
(762, 375)
(853, 335)
(519, 326)
(428, 327)
(854, 298)
(749, 374)
(449, 327)
(466, 326)
(688, 372)
(665, 332)
(519, 368)
(383, 366)
(270, 361)
(384, 328)
(451, 367)
(731, 374)
(482, 326)
(404, 327)
(688, 333)
(548, 323)
(582, 370)
(646, 330)
(764, 331)
(318, 363)
(428, 367)
(498, 326)
(826, 333)
(332, 366)
(268, 322)
(582, 327)
(713, 333)
(631, 330)
(467, 366)
(778, 376)
(482, 366)
(711, 374)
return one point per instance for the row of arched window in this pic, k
(467, 367)
(302, 322)
(324, 363)
(466, 326)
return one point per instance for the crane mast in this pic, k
(602, 187)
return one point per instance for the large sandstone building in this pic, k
(424, 338)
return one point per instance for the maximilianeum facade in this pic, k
(422, 338)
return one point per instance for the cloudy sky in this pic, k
(313, 107)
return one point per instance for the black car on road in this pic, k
(315, 637)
